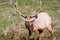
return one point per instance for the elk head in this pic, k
(28, 19)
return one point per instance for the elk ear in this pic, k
(24, 16)
(31, 17)
(34, 16)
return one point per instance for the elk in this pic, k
(38, 22)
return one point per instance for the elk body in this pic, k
(43, 21)
(38, 22)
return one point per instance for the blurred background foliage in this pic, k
(9, 18)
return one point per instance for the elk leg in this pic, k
(40, 31)
(35, 33)
(50, 29)
(41, 34)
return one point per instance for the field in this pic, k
(10, 20)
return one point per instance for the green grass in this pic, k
(8, 18)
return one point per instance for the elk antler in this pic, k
(16, 9)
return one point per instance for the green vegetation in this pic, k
(9, 18)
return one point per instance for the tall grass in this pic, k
(9, 18)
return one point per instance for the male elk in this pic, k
(39, 22)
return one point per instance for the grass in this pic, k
(27, 7)
(9, 18)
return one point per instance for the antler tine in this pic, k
(16, 8)
(17, 11)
